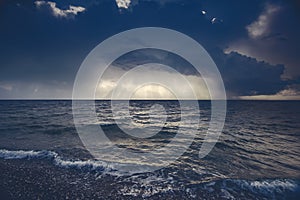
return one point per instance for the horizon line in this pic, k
(70, 99)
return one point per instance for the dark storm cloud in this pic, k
(273, 37)
(245, 76)
(38, 49)
(242, 75)
(144, 56)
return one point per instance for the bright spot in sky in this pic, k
(153, 91)
(214, 20)
(109, 82)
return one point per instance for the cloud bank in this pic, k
(57, 12)
(261, 26)
(271, 39)
(260, 38)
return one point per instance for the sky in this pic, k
(254, 43)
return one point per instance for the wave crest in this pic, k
(56, 159)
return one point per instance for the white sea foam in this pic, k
(20, 154)
(268, 186)
(154, 184)
(271, 189)
(56, 159)
(91, 165)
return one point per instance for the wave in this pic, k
(219, 189)
(152, 184)
(271, 188)
(111, 168)
(94, 165)
(268, 186)
(21, 154)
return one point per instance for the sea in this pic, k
(257, 155)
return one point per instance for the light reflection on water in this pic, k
(259, 140)
(256, 157)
